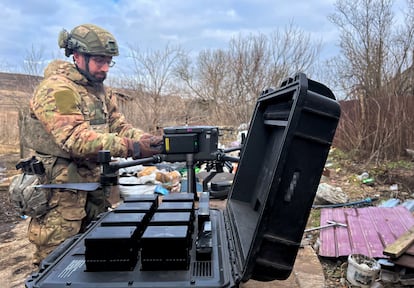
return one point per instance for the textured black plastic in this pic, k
(286, 148)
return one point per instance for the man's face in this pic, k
(98, 65)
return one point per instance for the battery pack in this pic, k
(140, 220)
(181, 143)
(173, 219)
(111, 248)
(179, 197)
(153, 198)
(136, 207)
(177, 207)
(165, 248)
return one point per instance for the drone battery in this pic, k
(181, 143)
(135, 207)
(165, 248)
(111, 249)
(139, 220)
(179, 197)
(201, 141)
(177, 207)
(153, 198)
(173, 219)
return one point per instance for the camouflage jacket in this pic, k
(81, 118)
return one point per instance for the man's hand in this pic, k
(147, 146)
(150, 145)
(154, 140)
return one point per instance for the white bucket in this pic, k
(362, 270)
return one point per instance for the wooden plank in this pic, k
(397, 248)
(410, 250)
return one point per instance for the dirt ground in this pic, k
(16, 251)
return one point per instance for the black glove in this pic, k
(147, 146)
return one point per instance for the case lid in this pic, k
(287, 144)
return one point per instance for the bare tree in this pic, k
(365, 33)
(401, 54)
(153, 81)
(375, 52)
(363, 25)
(249, 57)
(5, 66)
(205, 81)
(229, 81)
(34, 62)
(292, 50)
(21, 96)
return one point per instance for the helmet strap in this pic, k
(86, 72)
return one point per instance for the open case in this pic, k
(256, 236)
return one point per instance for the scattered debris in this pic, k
(394, 187)
(330, 224)
(362, 270)
(364, 202)
(392, 202)
(378, 241)
(410, 152)
(363, 176)
(328, 194)
(409, 205)
(369, 181)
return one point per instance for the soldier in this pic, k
(73, 116)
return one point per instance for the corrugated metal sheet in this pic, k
(368, 230)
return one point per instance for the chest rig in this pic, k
(94, 110)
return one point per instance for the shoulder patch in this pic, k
(67, 102)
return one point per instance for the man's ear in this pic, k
(76, 56)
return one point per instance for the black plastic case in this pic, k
(258, 234)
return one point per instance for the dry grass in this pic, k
(9, 148)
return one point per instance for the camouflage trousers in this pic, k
(70, 211)
(67, 219)
(60, 223)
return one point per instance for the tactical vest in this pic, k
(94, 110)
(35, 137)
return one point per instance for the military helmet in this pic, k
(88, 39)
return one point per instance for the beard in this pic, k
(97, 77)
(100, 76)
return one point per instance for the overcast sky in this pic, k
(192, 24)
